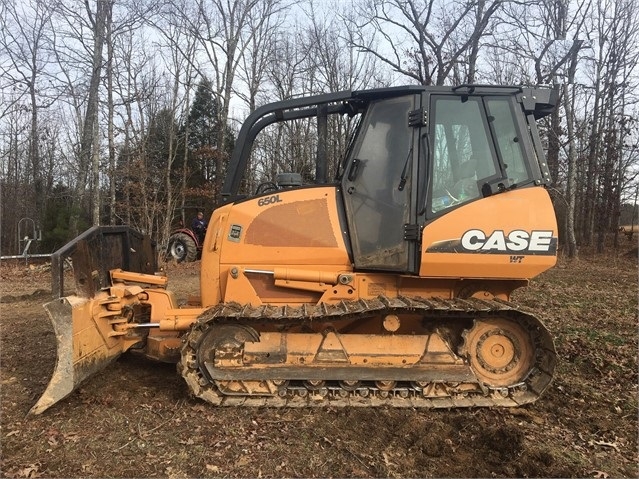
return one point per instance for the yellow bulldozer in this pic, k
(387, 286)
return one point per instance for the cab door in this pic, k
(378, 187)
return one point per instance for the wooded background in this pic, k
(125, 111)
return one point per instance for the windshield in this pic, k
(461, 155)
(475, 141)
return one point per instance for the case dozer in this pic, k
(389, 285)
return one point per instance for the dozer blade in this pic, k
(84, 347)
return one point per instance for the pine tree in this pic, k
(203, 118)
(204, 128)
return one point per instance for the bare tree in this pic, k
(265, 22)
(134, 61)
(96, 21)
(571, 179)
(225, 30)
(426, 39)
(180, 52)
(14, 174)
(25, 41)
(131, 15)
(622, 60)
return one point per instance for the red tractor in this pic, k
(185, 244)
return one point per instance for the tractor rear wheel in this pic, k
(182, 248)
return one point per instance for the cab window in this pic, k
(462, 158)
(509, 142)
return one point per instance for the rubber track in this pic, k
(233, 313)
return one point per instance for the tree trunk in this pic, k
(111, 120)
(571, 186)
(95, 175)
(91, 115)
(589, 203)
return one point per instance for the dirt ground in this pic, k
(136, 419)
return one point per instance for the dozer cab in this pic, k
(388, 286)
